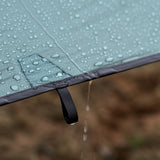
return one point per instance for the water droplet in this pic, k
(5, 62)
(10, 68)
(87, 108)
(31, 71)
(83, 54)
(69, 68)
(120, 55)
(77, 15)
(14, 87)
(61, 28)
(55, 56)
(44, 79)
(50, 45)
(17, 77)
(98, 63)
(44, 59)
(84, 137)
(85, 129)
(23, 50)
(35, 63)
(59, 74)
(109, 59)
(14, 36)
(105, 47)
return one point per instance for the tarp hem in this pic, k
(78, 79)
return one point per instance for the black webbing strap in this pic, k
(68, 107)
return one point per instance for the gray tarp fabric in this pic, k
(50, 44)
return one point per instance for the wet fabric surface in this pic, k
(46, 41)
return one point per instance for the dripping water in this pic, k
(85, 128)
(88, 96)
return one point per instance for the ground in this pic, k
(123, 121)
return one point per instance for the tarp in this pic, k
(50, 44)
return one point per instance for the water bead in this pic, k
(17, 77)
(31, 71)
(98, 63)
(55, 56)
(10, 68)
(14, 87)
(59, 74)
(77, 15)
(44, 79)
(5, 62)
(35, 63)
(44, 60)
(105, 47)
(109, 59)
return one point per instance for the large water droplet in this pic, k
(59, 74)
(44, 79)
(14, 87)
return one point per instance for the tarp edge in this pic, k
(78, 79)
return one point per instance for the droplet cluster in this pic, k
(39, 70)
(44, 41)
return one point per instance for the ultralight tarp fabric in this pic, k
(43, 41)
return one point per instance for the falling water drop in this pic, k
(88, 96)
(105, 47)
(85, 128)
(87, 108)
(84, 137)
